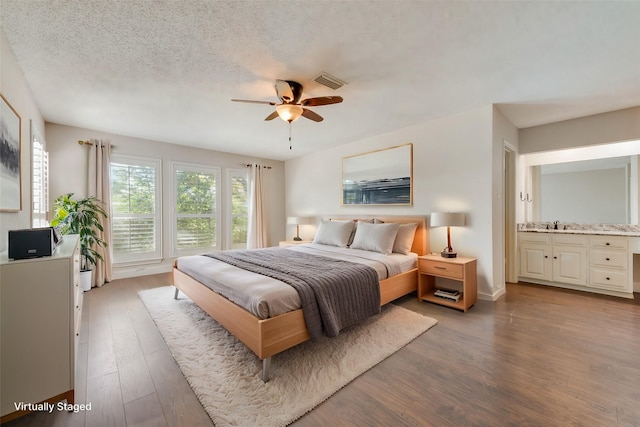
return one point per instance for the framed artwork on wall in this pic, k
(10, 173)
(381, 177)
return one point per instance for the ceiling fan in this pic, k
(290, 107)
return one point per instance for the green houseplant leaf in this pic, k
(81, 217)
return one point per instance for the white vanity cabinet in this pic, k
(41, 302)
(609, 263)
(535, 256)
(569, 259)
(595, 263)
(558, 258)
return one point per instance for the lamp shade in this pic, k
(447, 219)
(296, 220)
(292, 220)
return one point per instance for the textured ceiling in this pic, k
(166, 70)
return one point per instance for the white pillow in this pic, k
(355, 226)
(375, 237)
(404, 238)
(355, 229)
(334, 233)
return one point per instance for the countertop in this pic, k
(587, 232)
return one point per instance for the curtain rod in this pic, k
(251, 164)
(81, 142)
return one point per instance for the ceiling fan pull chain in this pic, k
(289, 135)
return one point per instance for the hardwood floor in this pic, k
(539, 356)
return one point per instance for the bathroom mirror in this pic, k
(595, 191)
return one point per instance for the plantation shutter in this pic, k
(196, 199)
(135, 211)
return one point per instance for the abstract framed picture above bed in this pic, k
(380, 177)
(10, 174)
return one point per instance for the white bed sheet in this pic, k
(267, 297)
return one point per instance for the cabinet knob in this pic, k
(608, 278)
(546, 256)
(607, 243)
(608, 259)
(555, 257)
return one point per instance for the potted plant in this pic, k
(81, 217)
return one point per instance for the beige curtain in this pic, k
(99, 160)
(257, 227)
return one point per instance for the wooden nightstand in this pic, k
(285, 243)
(461, 269)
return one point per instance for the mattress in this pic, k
(266, 297)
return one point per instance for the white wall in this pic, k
(452, 171)
(69, 165)
(16, 91)
(615, 126)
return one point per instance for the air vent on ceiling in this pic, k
(329, 81)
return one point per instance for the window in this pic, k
(135, 208)
(238, 210)
(196, 224)
(39, 180)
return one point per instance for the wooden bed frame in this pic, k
(267, 337)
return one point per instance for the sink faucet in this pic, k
(555, 224)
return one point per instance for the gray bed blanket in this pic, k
(334, 294)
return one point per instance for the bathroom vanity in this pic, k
(599, 261)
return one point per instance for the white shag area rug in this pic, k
(225, 374)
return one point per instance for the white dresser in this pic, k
(41, 302)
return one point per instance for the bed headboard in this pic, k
(420, 240)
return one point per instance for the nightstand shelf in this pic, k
(460, 269)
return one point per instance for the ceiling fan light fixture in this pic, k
(289, 112)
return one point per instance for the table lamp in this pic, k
(447, 219)
(297, 221)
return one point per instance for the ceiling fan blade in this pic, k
(271, 116)
(254, 102)
(311, 115)
(321, 100)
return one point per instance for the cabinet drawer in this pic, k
(605, 258)
(570, 239)
(534, 237)
(454, 271)
(611, 242)
(609, 279)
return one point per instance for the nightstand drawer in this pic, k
(443, 269)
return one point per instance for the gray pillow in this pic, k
(404, 238)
